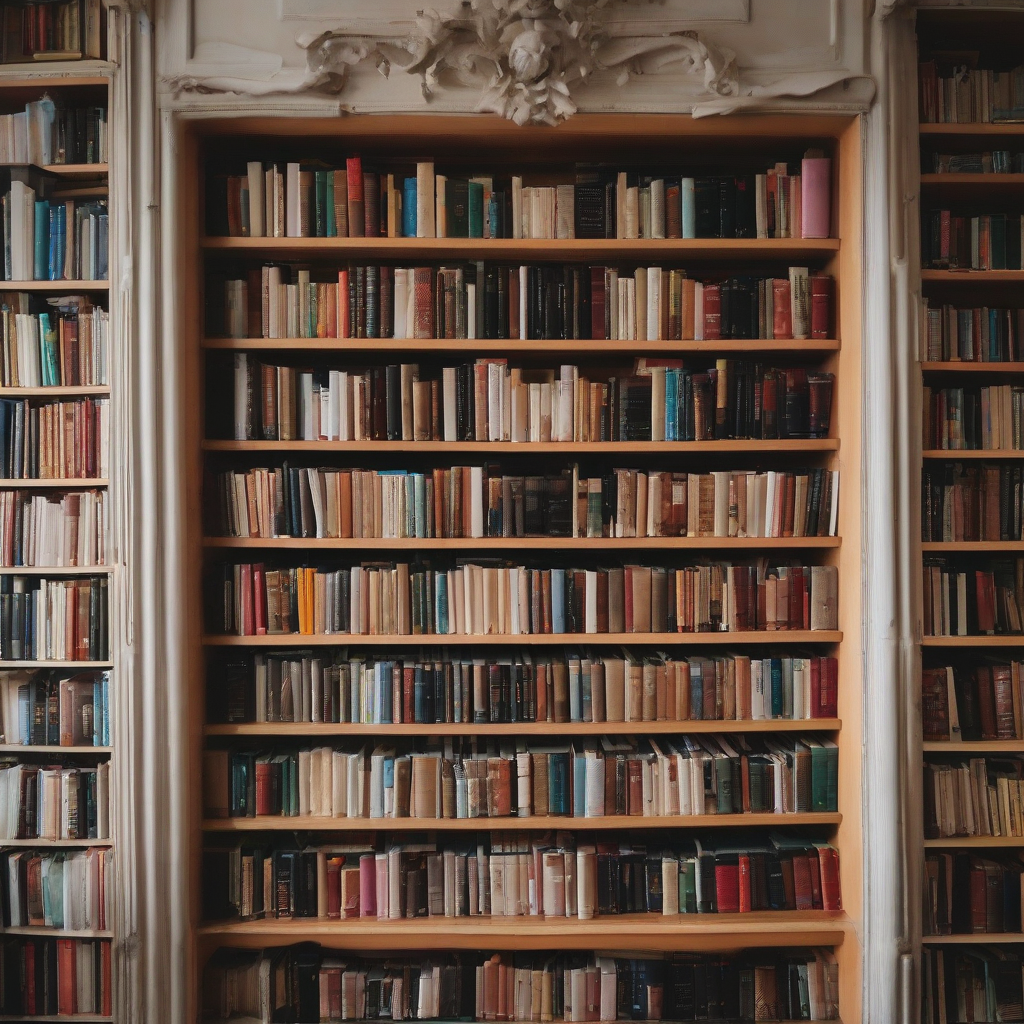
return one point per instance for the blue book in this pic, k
(441, 611)
(586, 695)
(557, 600)
(42, 241)
(575, 696)
(48, 351)
(54, 266)
(777, 687)
(409, 208)
(696, 691)
(671, 404)
(419, 505)
(579, 785)
(688, 205)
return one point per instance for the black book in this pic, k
(707, 218)
(589, 211)
(727, 207)
(746, 206)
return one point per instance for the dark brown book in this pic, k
(371, 204)
(356, 198)
(673, 211)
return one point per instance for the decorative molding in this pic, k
(527, 57)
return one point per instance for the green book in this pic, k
(456, 199)
(687, 886)
(476, 209)
(819, 776)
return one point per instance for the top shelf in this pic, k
(536, 248)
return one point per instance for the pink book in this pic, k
(367, 885)
(816, 195)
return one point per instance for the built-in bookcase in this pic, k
(970, 501)
(467, 145)
(61, 697)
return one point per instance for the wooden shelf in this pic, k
(973, 276)
(28, 748)
(47, 844)
(811, 346)
(534, 248)
(56, 570)
(57, 933)
(1016, 640)
(81, 665)
(972, 938)
(973, 453)
(73, 1018)
(528, 729)
(54, 286)
(521, 543)
(67, 483)
(76, 170)
(967, 546)
(972, 128)
(974, 842)
(64, 391)
(793, 636)
(966, 366)
(973, 746)
(536, 823)
(695, 932)
(999, 180)
(788, 446)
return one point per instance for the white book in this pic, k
(425, 199)
(257, 203)
(293, 216)
(401, 286)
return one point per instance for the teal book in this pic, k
(476, 209)
(456, 198)
(42, 241)
(48, 354)
(819, 776)
(687, 885)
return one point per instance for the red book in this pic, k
(782, 308)
(802, 893)
(334, 887)
(815, 870)
(727, 887)
(343, 304)
(264, 788)
(356, 215)
(979, 921)
(796, 597)
(66, 984)
(246, 624)
(712, 312)
(259, 582)
(597, 303)
(408, 693)
(744, 905)
(821, 305)
(831, 897)
(986, 599)
(31, 1005)
(367, 885)
(815, 664)
(986, 702)
(423, 286)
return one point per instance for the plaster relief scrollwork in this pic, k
(528, 56)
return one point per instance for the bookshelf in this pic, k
(953, 147)
(66, 176)
(209, 145)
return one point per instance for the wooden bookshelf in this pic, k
(973, 747)
(972, 938)
(484, 140)
(72, 84)
(1014, 640)
(963, 366)
(692, 932)
(974, 842)
(516, 728)
(973, 277)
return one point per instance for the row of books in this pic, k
(51, 709)
(970, 94)
(978, 702)
(967, 894)
(47, 977)
(49, 240)
(982, 334)
(525, 686)
(987, 242)
(971, 502)
(315, 200)
(48, 803)
(660, 777)
(971, 983)
(491, 401)
(787, 984)
(47, 133)
(485, 300)
(977, 797)
(54, 620)
(54, 440)
(512, 876)
(482, 501)
(65, 890)
(973, 602)
(974, 419)
(65, 346)
(992, 161)
(492, 598)
(49, 529)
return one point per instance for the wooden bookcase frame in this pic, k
(433, 135)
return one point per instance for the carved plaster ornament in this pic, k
(525, 56)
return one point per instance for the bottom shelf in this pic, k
(688, 932)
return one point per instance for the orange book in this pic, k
(67, 986)
(342, 314)
(744, 883)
